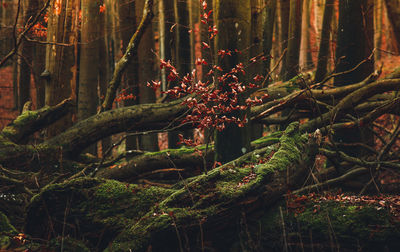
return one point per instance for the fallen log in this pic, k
(142, 216)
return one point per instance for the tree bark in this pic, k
(354, 47)
(60, 60)
(323, 53)
(294, 39)
(89, 60)
(181, 56)
(233, 26)
(214, 200)
(146, 73)
(393, 10)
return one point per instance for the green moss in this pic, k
(67, 244)
(5, 225)
(21, 121)
(332, 223)
(5, 228)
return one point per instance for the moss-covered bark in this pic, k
(147, 215)
(329, 225)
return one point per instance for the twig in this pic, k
(21, 36)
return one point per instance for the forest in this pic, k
(199, 125)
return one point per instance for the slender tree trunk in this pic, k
(107, 50)
(269, 23)
(294, 39)
(89, 61)
(324, 45)
(39, 62)
(234, 29)
(60, 58)
(8, 12)
(166, 20)
(305, 47)
(127, 26)
(276, 40)
(378, 15)
(285, 11)
(25, 57)
(181, 55)
(146, 74)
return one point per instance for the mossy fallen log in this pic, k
(98, 211)
(328, 225)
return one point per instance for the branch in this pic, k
(127, 57)
(21, 36)
(31, 121)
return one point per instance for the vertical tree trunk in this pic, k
(353, 47)
(393, 10)
(39, 62)
(146, 74)
(24, 57)
(127, 27)
(166, 20)
(276, 40)
(89, 60)
(305, 47)
(294, 39)
(8, 12)
(181, 55)
(269, 22)
(378, 10)
(107, 52)
(256, 49)
(60, 58)
(323, 54)
(285, 11)
(233, 25)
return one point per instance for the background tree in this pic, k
(181, 55)
(284, 32)
(146, 69)
(60, 57)
(393, 10)
(354, 48)
(89, 56)
(294, 39)
(324, 44)
(234, 28)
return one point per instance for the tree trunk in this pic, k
(25, 56)
(393, 10)
(294, 39)
(353, 47)
(378, 18)
(285, 11)
(181, 55)
(127, 26)
(269, 23)
(146, 73)
(323, 54)
(60, 58)
(233, 27)
(306, 60)
(89, 60)
(166, 20)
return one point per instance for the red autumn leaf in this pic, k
(102, 8)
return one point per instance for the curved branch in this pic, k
(127, 57)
